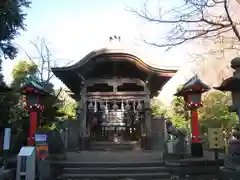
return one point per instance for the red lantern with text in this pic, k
(192, 93)
(32, 96)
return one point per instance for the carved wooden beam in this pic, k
(114, 98)
(114, 81)
(126, 93)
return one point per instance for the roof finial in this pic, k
(114, 38)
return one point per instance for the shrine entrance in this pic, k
(115, 120)
(113, 88)
(116, 114)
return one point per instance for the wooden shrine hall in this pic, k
(113, 88)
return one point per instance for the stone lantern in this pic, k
(232, 159)
(191, 92)
(33, 93)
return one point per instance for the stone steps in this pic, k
(111, 146)
(122, 170)
(114, 170)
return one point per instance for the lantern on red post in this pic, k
(33, 92)
(192, 92)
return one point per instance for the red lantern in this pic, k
(192, 91)
(32, 95)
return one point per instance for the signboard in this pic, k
(215, 138)
(41, 146)
(42, 151)
(7, 138)
(40, 137)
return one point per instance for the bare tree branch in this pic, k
(45, 63)
(29, 57)
(234, 28)
(193, 19)
(41, 64)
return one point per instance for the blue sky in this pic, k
(73, 28)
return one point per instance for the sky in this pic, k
(74, 28)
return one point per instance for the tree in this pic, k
(158, 108)
(194, 19)
(21, 70)
(215, 112)
(178, 114)
(11, 22)
(69, 109)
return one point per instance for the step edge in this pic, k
(115, 174)
(127, 162)
(114, 168)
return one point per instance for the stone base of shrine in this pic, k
(84, 143)
(146, 143)
(152, 143)
(197, 150)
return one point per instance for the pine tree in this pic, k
(11, 22)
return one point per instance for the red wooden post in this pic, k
(33, 118)
(195, 126)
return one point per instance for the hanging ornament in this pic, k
(134, 104)
(106, 107)
(90, 106)
(122, 105)
(139, 106)
(127, 107)
(102, 106)
(95, 105)
(115, 106)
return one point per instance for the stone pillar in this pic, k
(158, 133)
(148, 124)
(84, 137)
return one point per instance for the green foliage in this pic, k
(21, 70)
(178, 106)
(215, 111)
(178, 113)
(11, 22)
(158, 108)
(179, 88)
(69, 109)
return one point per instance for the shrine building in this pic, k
(113, 89)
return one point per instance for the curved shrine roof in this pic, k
(104, 61)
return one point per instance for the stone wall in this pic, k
(158, 129)
(73, 135)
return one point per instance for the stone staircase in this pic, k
(112, 146)
(114, 170)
